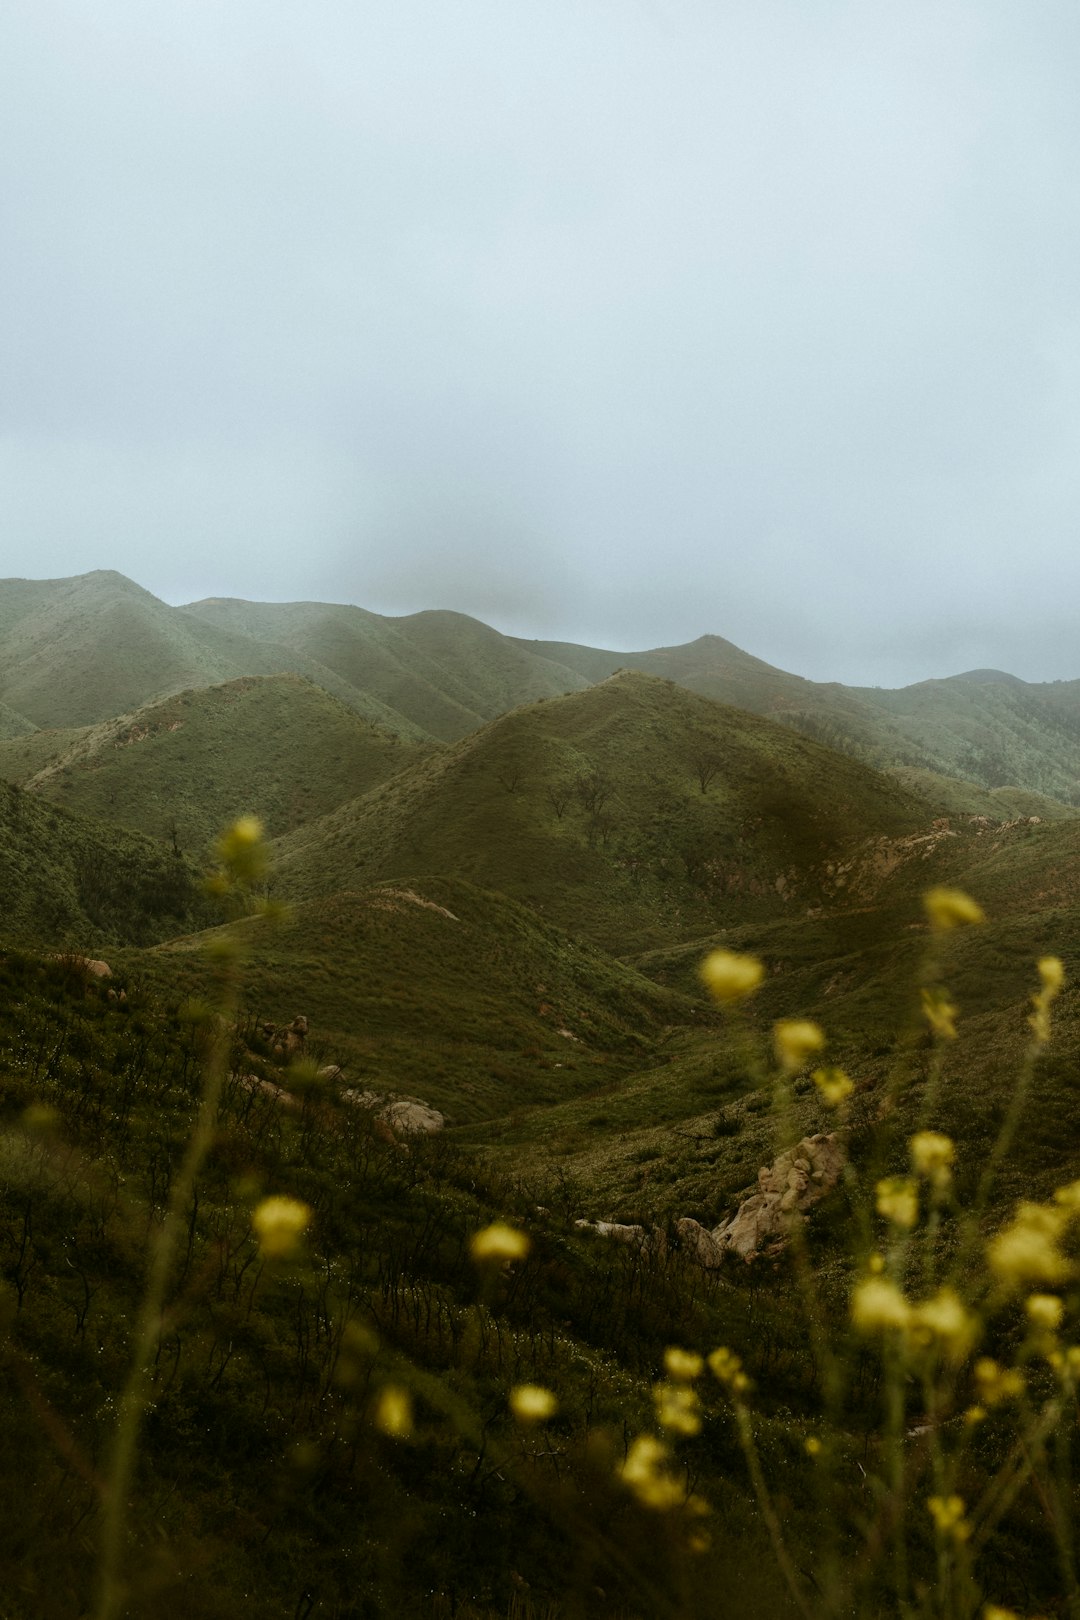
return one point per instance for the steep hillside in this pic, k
(436, 987)
(273, 746)
(12, 724)
(958, 797)
(634, 813)
(990, 728)
(75, 651)
(68, 881)
(447, 672)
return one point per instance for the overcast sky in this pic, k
(618, 321)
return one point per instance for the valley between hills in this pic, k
(499, 866)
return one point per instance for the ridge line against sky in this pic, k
(643, 647)
(616, 324)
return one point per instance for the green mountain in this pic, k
(449, 673)
(180, 769)
(990, 728)
(69, 881)
(632, 813)
(76, 651)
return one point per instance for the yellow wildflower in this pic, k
(996, 1383)
(834, 1086)
(1044, 1311)
(932, 1154)
(877, 1306)
(499, 1242)
(725, 1366)
(947, 1513)
(279, 1223)
(974, 1415)
(812, 1445)
(898, 1200)
(993, 1611)
(1052, 973)
(940, 1013)
(242, 852)
(794, 1039)
(951, 908)
(943, 1320)
(1051, 978)
(683, 1364)
(1027, 1251)
(1069, 1197)
(677, 1408)
(532, 1403)
(644, 1473)
(729, 977)
(393, 1413)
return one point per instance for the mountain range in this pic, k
(79, 651)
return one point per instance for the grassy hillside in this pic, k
(66, 880)
(273, 746)
(12, 724)
(447, 672)
(958, 797)
(435, 987)
(985, 726)
(633, 813)
(76, 651)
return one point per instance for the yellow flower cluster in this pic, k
(1051, 979)
(677, 1408)
(683, 1364)
(947, 909)
(947, 1513)
(1044, 1312)
(499, 1242)
(393, 1414)
(941, 1323)
(645, 1472)
(834, 1086)
(242, 852)
(940, 1013)
(932, 1155)
(279, 1223)
(997, 1384)
(725, 1365)
(1028, 1249)
(897, 1198)
(532, 1403)
(729, 977)
(794, 1040)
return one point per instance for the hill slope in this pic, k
(633, 813)
(273, 746)
(436, 987)
(449, 673)
(76, 651)
(68, 881)
(986, 726)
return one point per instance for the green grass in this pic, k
(436, 988)
(657, 859)
(180, 769)
(449, 673)
(68, 881)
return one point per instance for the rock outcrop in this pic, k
(405, 1116)
(787, 1188)
(792, 1184)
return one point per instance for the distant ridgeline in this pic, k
(76, 652)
